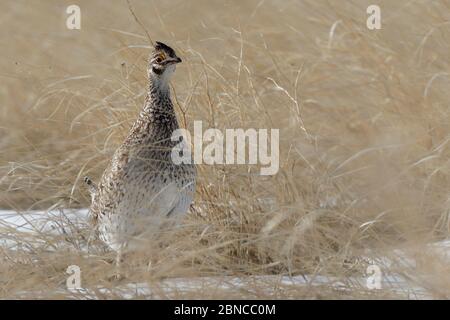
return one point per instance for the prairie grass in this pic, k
(364, 139)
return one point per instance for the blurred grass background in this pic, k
(363, 118)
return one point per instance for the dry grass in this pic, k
(364, 136)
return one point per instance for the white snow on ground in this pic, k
(31, 229)
(275, 283)
(260, 286)
(43, 221)
(268, 286)
(62, 222)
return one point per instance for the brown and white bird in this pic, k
(142, 187)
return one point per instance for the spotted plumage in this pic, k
(142, 187)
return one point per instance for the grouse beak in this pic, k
(172, 61)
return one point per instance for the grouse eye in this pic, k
(160, 58)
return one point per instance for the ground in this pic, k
(363, 114)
